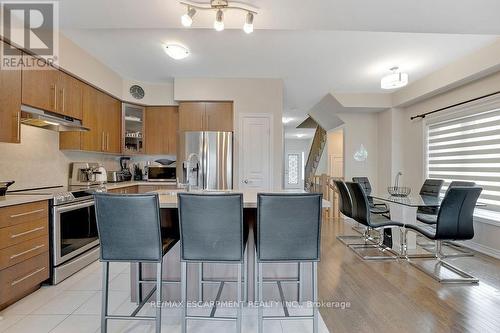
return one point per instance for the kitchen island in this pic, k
(171, 261)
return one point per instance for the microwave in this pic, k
(161, 173)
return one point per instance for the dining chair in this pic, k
(345, 207)
(361, 213)
(375, 207)
(130, 231)
(454, 222)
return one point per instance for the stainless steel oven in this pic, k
(75, 241)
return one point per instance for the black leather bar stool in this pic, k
(212, 231)
(361, 213)
(288, 231)
(129, 230)
(454, 222)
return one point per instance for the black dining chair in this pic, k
(130, 231)
(345, 207)
(375, 207)
(361, 213)
(454, 222)
(430, 218)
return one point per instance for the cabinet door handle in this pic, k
(18, 136)
(27, 251)
(63, 99)
(27, 232)
(102, 141)
(13, 283)
(27, 213)
(53, 87)
(107, 141)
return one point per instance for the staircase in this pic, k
(317, 146)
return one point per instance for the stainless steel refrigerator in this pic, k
(207, 159)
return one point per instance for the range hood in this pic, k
(50, 120)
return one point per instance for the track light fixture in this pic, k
(219, 20)
(219, 6)
(187, 19)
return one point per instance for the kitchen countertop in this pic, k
(168, 198)
(13, 199)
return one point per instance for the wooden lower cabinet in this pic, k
(125, 190)
(24, 250)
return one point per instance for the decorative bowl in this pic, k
(397, 191)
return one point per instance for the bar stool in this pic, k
(211, 230)
(130, 231)
(288, 231)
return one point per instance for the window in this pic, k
(293, 169)
(467, 147)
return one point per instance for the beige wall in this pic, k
(249, 96)
(154, 93)
(361, 128)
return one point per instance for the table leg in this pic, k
(405, 215)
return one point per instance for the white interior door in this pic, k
(294, 178)
(255, 152)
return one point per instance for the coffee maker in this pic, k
(84, 173)
(125, 168)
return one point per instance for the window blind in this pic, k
(468, 148)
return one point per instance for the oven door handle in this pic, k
(67, 208)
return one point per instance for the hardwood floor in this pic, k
(393, 296)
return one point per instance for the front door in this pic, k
(255, 153)
(294, 178)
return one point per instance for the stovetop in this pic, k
(63, 194)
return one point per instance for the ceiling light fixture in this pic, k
(248, 26)
(187, 19)
(219, 6)
(394, 80)
(176, 51)
(219, 21)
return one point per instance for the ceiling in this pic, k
(315, 46)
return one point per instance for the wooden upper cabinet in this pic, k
(206, 116)
(70, 96)
(219, 116)
(161, 130)
(49, 89)
(39, 84)
(10, 104)
(101, 114)
(191, 116)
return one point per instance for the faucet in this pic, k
(190, 166)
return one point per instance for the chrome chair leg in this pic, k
(200, 282)
(260, 305)
(184, 296)
(159, 268)
(105, 292)
(357, 248)
(138, 283)
(299, 283)
(315, 295)
(240, 303)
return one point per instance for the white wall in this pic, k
(361, 128)
(412, 150)
(249, 96)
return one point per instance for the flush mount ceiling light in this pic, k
(219, 6)
(176, 51)
(394, 80)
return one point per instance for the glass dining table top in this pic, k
(413, 200)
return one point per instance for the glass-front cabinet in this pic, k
(133, 129)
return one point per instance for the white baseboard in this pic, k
(495, 253)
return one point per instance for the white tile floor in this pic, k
(75, 305)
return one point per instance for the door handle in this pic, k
(245, 181)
